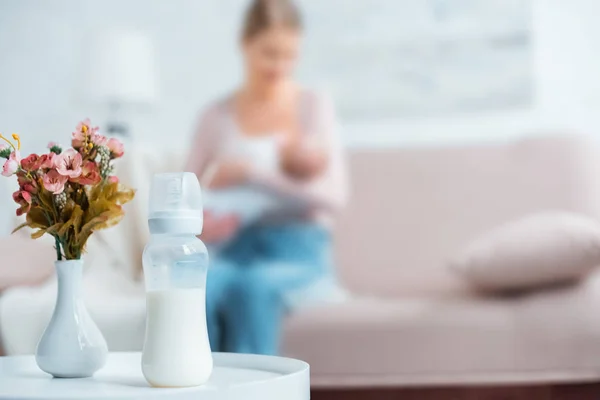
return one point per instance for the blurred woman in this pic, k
(253, 279)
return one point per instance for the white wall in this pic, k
(41, 46)
(567, 83)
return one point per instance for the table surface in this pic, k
(235, 376)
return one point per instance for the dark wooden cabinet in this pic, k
(589, 391)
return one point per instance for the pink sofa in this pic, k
(409, 320)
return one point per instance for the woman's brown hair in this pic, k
(264, 14)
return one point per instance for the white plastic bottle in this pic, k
(176, 348)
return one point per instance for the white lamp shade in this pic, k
(119, 67)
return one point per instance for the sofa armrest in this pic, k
(24, 261)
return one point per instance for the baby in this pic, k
(244, 204)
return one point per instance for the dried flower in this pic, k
(89, 174)
(81, 134)
(60, 200)
(68, 194)
(30, 188)
(27, 183)
(68, 163)
(23, 199)
(33, 162)
(86, 137)
(116, 148)
(12, 164)
(54, 182)
(100, 140)
(46, 161)
(30, 163)
(104, 163)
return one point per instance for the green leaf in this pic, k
(56, 149)
(5, 153)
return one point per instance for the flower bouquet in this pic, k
(69, 194)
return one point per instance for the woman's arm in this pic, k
(327, 190)
(205, 144)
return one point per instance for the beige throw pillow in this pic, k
(541, 249)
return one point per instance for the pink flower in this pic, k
(12, 164)
(30, 188)
(68, 163)
(83, 125)
(23, 199)
(89, 175)
(116, 147)
(3, 146)
(77, 140)
(83, 130)
(27, 184)
(55, 182)
(31, 162)
(113, 179)
(53, 144)
(46, 161)
(20, 195)
(99, 140)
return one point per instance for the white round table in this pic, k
(235, 376)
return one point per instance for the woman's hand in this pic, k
(303, 161)
(229, 173)
(219, 229)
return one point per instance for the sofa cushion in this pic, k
(553, 335)
(540, 249)
(413, 208)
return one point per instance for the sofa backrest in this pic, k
(412, 209)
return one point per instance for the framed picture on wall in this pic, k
(405, 58)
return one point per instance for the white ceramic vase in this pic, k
(72, 346)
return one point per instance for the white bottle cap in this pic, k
(175, 205)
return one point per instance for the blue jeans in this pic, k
(248, 281)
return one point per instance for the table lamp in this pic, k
(119, 72)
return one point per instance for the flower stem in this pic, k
(18, 139)
(7, 141)
(58, 253)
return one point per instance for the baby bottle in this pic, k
(176, 348)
